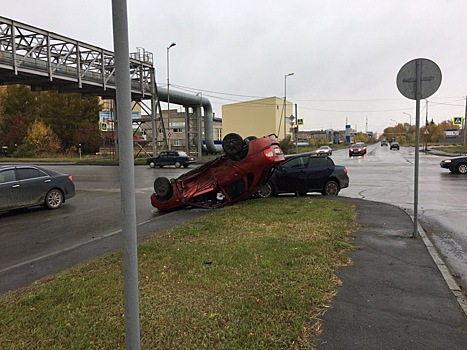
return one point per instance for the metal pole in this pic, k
(465, 117)
(410, 124)
(153, 113)
(417, 148)
(127, 175)
(426, 127)
(296, 132)
(284, 109)
(168, 94)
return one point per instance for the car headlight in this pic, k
(447, 161)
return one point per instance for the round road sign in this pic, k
(430, 78)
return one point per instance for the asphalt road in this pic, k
(38, 242)
(387, 176)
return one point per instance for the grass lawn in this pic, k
(456, 149)
(256, 275)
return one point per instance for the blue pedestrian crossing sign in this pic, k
(457, 120)
(103, 126)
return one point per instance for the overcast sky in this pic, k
(345, 54)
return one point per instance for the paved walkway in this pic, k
(394, 296)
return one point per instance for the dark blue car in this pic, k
(27, 185)
(306, 172)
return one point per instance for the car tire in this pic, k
(53, 199)
(461, 168)
(163, 188)
(152, 164)
(178, 164)
(232, 144)
(266, 191)
(331, 188)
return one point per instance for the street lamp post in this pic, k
(285, 102)
(410, 124)
(168, 93)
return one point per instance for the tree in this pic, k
(68, 114)
(13, 130)
(20, 99)
(88, 136)
(42, 139)
(17, 110)
(360, 137)
(286, 144)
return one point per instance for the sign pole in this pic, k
(127, 174)
(417, 148)
(409, 82)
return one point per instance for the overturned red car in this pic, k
(226, 180)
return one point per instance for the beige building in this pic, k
(258, 118)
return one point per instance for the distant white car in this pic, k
(324, 150)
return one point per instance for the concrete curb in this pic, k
(444, 269)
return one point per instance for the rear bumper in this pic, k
(344, 182)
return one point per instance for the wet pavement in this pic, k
(393, 296)
(388, 177)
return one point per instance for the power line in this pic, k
(214, 95)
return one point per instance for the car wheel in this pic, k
(54, 199)
(331, 188)
(461, 168)
(178, 164)
(152, 165)
(266, 191)
(232, 144)
(163, 187)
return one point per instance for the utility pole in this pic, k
(465, 117)
(284, 107)
(168, 96)
(296, 129)
(426, 126)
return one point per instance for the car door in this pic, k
(318, 171)
(291, 175)
(9, 190)
(34, 185)
(167, 158)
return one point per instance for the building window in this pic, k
(177, 130)
(177, 142)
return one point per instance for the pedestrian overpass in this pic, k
(48, 61)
